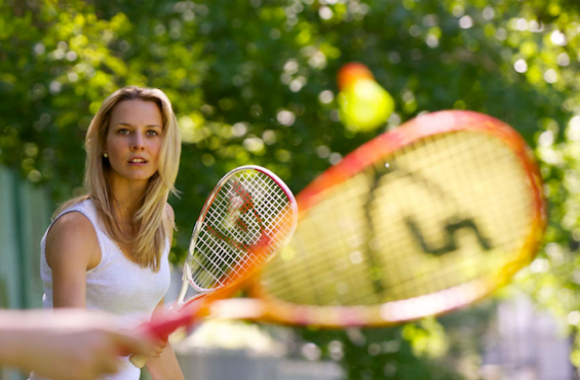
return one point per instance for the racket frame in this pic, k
(274, 310)
(265, 307)
(186, 312)
(186, 278)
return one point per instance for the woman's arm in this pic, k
(166, 366)
(72, 248)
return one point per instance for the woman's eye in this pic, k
(152, 133)
(123, 131)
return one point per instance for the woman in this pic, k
(108, 250)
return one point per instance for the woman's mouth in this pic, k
(137, 161)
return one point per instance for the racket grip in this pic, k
(162, 328)
(138, 360)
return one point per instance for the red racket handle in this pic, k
(161, 327)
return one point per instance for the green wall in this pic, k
(24, 215)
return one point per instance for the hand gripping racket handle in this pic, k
(192, 310)
(162, 327)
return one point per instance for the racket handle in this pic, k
(138, 360)
(163, 327)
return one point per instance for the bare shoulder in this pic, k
(72, 224)
(72, 237)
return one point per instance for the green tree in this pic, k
(254, 82)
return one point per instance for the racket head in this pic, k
(248, 217)
(420, 221)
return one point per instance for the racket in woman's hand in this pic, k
(249, 216)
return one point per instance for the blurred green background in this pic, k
(253, 81)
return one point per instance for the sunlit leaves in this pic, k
(427, 338)
(253, 82)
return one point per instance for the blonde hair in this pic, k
(152, 231)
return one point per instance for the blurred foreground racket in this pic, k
(422, 220)
(249, 216)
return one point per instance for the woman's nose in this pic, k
(138, 142)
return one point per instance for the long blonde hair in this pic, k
(152, 231)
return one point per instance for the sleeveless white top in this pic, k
(117, 285)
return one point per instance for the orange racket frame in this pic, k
(263, 306)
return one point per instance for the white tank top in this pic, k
(117, 285)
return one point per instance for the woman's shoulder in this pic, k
(78, 203)
(72, 223)
(72, 235)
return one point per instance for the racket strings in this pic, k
(240, 230)
(274, 201)
(456, 189)
(442, 277)
(220, 207)
(214, 268)
(447, 200)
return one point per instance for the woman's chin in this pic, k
(136, 176)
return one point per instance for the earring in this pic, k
(105, 155)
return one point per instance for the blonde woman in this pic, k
(108, 250)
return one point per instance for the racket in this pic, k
(247, 218)
(422, 220)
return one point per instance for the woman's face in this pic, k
(134, 140)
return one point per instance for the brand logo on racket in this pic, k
(450, 229)
(241, 220)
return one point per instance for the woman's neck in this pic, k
(128, 197)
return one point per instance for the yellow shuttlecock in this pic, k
(364, 104)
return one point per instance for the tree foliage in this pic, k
(253, 81)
